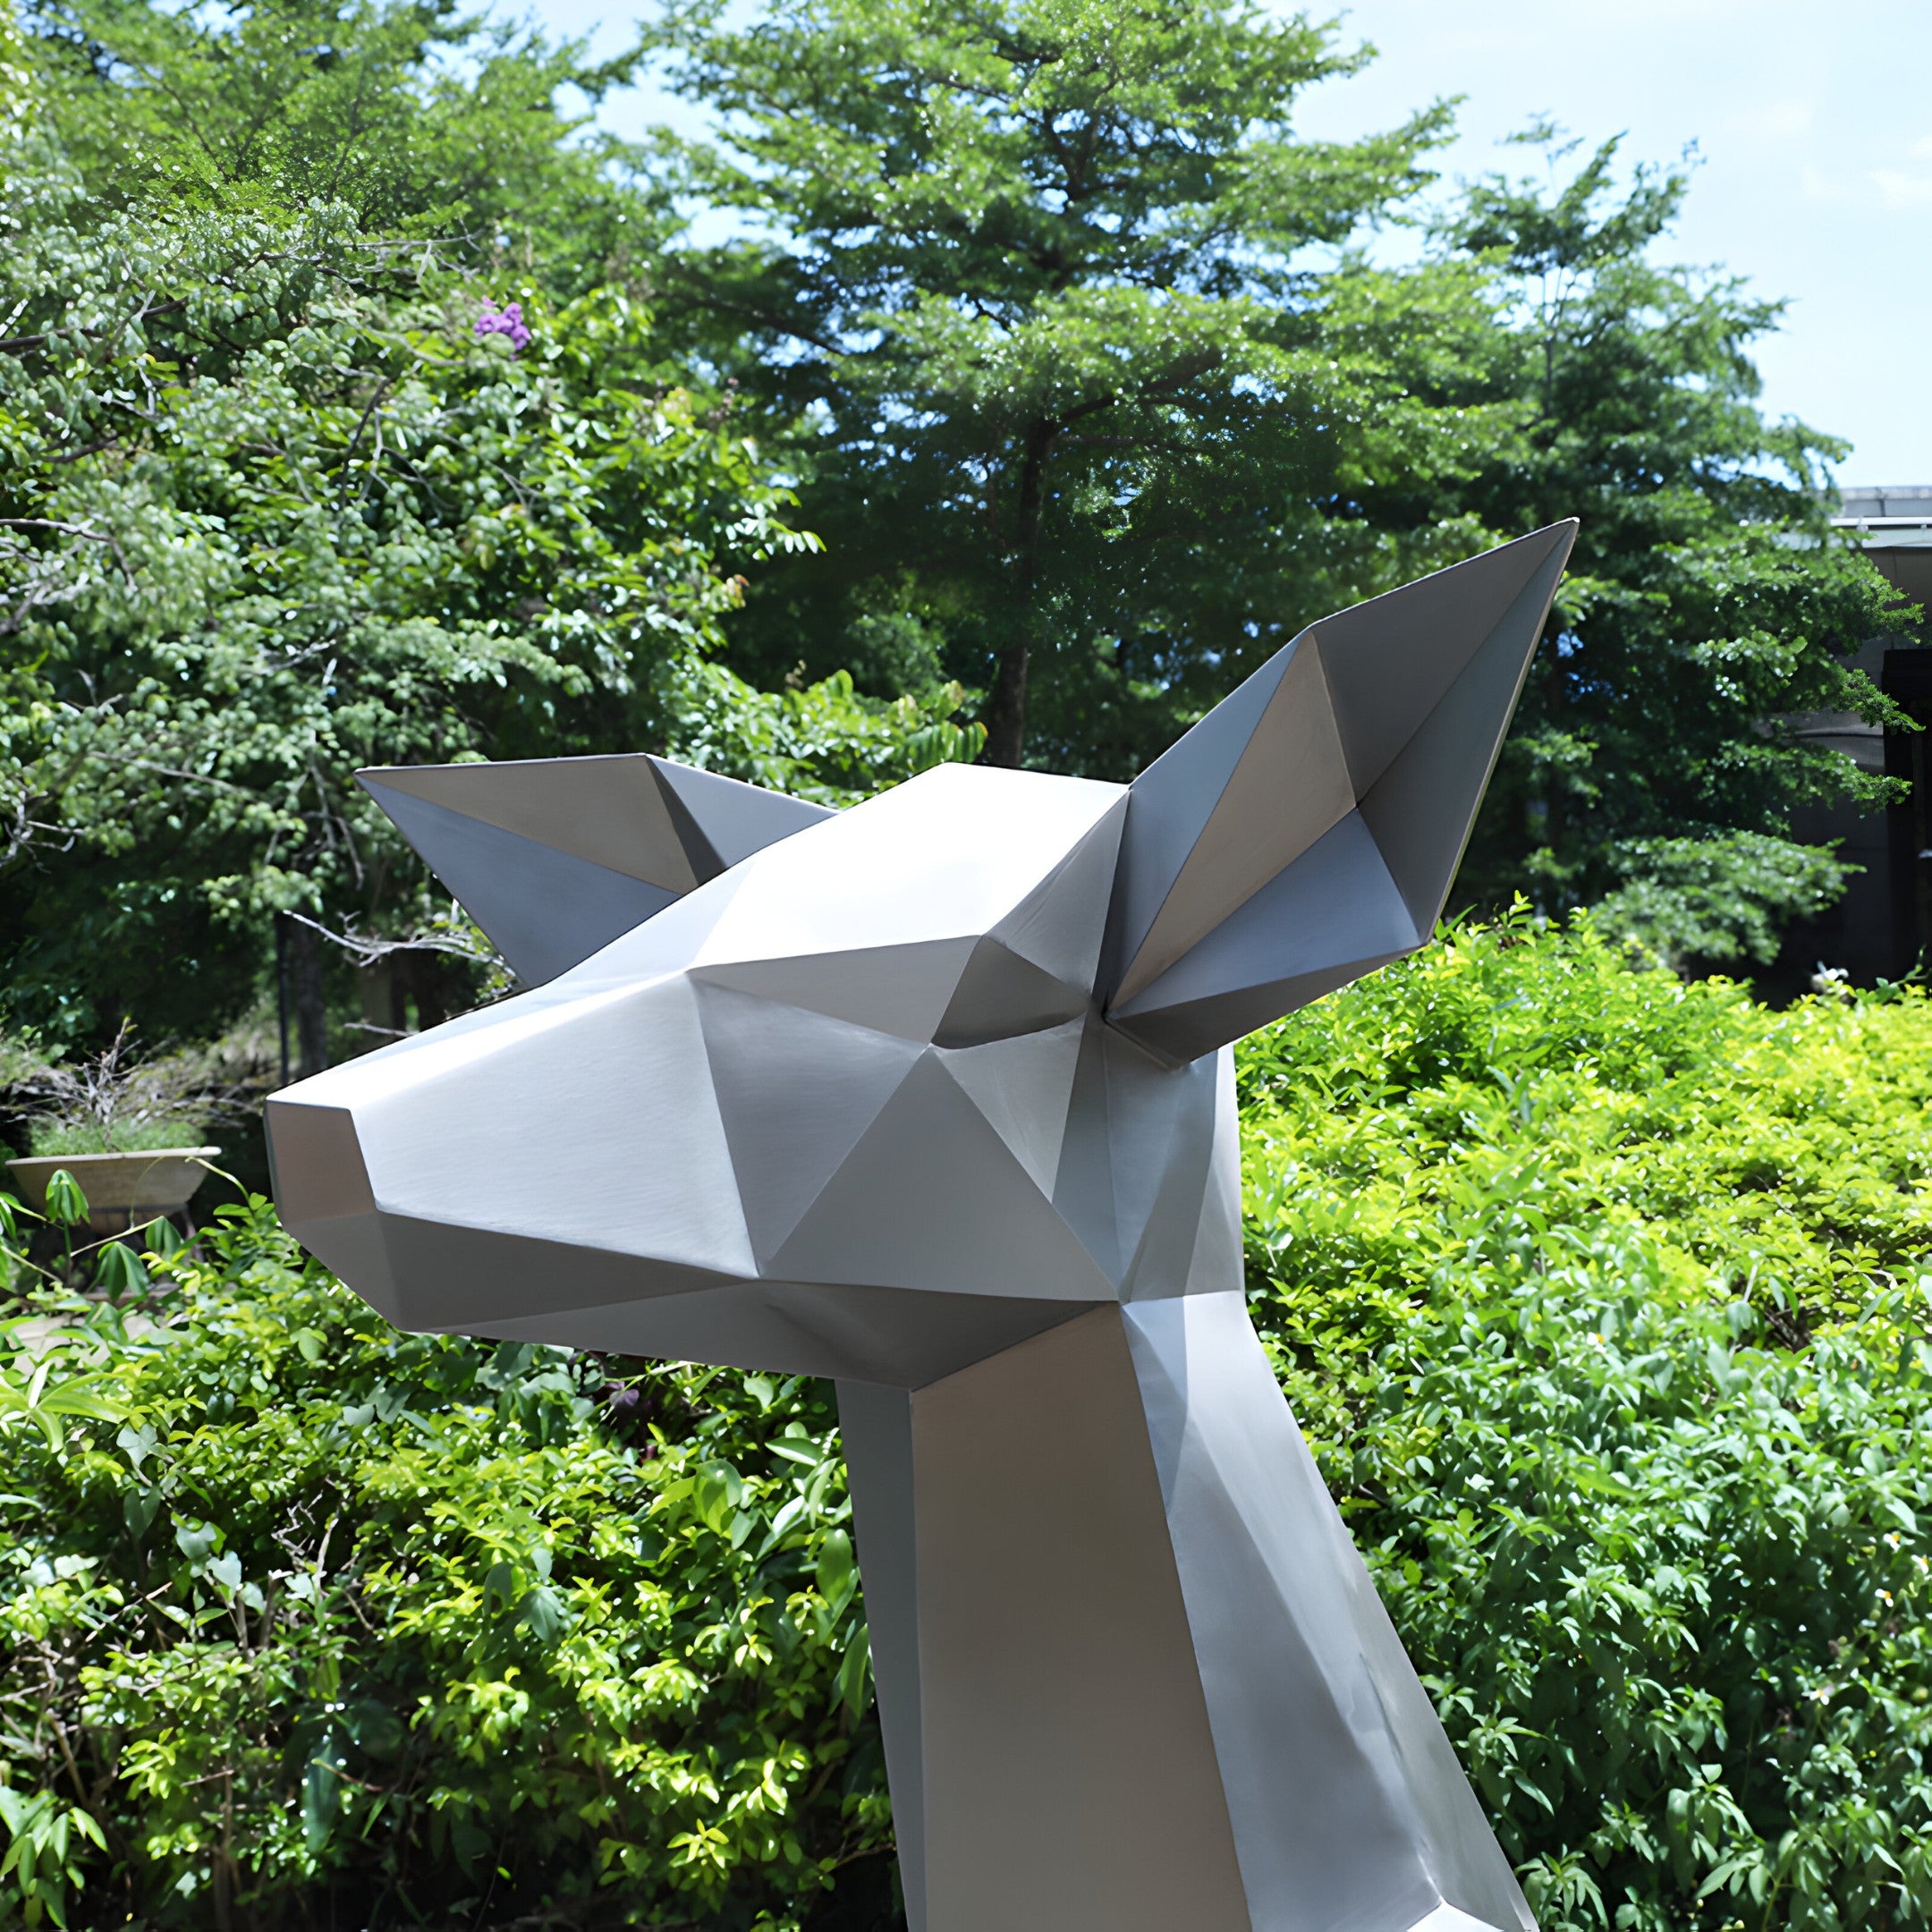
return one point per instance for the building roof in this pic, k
(1888, 508)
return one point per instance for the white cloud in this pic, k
(1898, 190)
(1773, 120)
(1829, 191)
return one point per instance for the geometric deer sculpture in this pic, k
(932, 1096)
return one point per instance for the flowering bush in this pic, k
(508, 320)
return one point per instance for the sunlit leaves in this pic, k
(298, 519)
(1707, 601)
(1540, 1242)
(67, 1203)
(1043, 299)
(415, 1615)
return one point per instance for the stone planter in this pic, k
(121, 1190)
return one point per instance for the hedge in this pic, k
(1600, 1295)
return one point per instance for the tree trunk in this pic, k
(308, 997)
(1006, 712)
(1006, 707)
(433, 984)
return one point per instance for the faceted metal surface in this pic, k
(925, 1096)
(1309, 827)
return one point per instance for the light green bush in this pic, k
(329, 1619)
(61, 1137)
(1540, 1244)
(1510, 1089)
(1600, 1296)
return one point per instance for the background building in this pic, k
(1883, 926)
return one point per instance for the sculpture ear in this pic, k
(1308, 828)
(554, 858)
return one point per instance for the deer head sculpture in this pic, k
(929, 1096)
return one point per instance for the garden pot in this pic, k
(121, 1190)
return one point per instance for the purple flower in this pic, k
(506, 321)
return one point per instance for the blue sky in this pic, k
(1814, 131)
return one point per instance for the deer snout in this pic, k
(554, 1150)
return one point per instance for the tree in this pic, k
(417, 119)
(281, 500)
(1708, 598)
(1095, 408)
(1039, 288)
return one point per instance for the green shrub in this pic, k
(1539, 1243)
(1512, 1087)
(1600, 1296)
(63, 1137)
(404, 1630)
(1671, 1590)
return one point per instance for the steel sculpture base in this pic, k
(933, 1097)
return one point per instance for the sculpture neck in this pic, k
(1111, 1541)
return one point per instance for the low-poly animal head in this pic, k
(875, 1093)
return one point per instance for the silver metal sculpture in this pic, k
(925, 1096)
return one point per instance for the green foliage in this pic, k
(1514, 1079)
(1096, 404)
(298, 519)
(39, 1390)
(308, 521)
(67, 1203)
(57, 1136)
(1539, 1242)
(431, 1630)
(417, 119)
(1671, 1583)
(823, 740)
(1035, 298)
(1601, 1297)
(1717, 898)
(1707, 600)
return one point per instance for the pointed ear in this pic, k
(554, 858)
(1308, 828)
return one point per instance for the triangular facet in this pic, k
(932, 1199)
(1335, 908)
(1289, 784)
(1059, 925)
(607, 810)
(544, 910)
(1155, 1115)
(735, 819)
(1423, 807)
(1083, 1184)
(1000, 995)
(1169, 804)
(796, 1091)
(1023, 1087)
(1391, 661)
(902, 990)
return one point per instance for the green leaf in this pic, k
(543, 1614)
(854, 1680)
(322, 1792)
(66, 1203)
(138, 1509)
(196, 1541)
(119, 1270)
(837, 1571)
